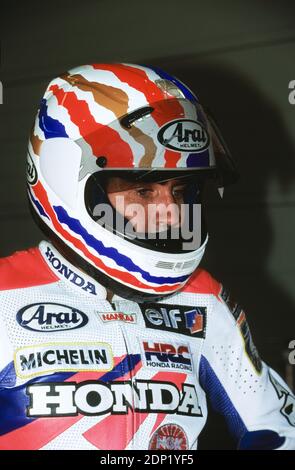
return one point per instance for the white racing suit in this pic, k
(79, 372)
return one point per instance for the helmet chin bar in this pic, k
(116, 287)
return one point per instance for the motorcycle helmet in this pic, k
(139, 124)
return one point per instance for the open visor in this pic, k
(128, 204)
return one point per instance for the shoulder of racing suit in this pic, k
(201, 282)
(28, 268)
(24, 269)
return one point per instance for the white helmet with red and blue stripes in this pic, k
(119, 119)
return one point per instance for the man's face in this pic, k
(150, 207)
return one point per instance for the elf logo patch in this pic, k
(49, 316)
(184, 135)
(186, 320)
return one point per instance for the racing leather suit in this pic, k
(79, 372)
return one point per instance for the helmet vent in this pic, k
(175, 266)
(188, 264)
(128, 120)
(165, 265)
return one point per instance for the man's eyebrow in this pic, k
(140, 184)
(176, 182)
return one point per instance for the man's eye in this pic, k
(178, 192)
(143, 192)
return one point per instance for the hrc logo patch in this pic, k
(167, 356)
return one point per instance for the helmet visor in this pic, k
(158, 211)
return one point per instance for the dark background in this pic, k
(238, 56)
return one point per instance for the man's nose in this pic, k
(167, 209)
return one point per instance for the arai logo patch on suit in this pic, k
(169, 437)
(184, 135)
(50, 317)
(186, 320)
(118, 316)
(164, 356)
(42, 359)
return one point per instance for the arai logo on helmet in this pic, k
(47, 317)
(184, 135)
